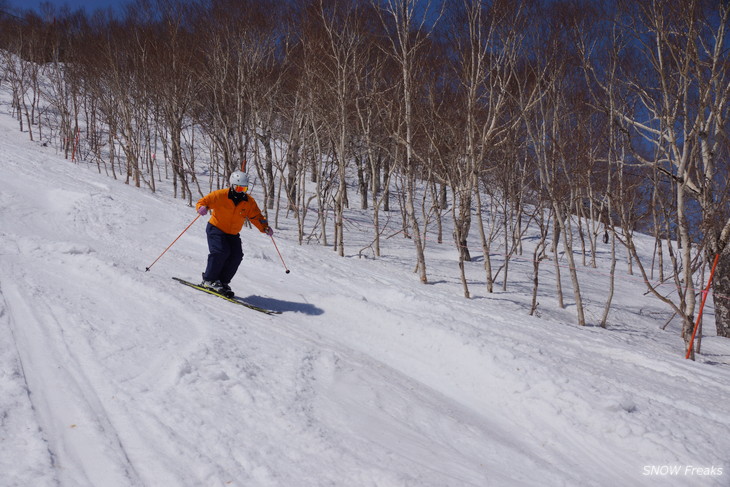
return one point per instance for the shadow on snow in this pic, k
(283, 306)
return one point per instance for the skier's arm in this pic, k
(207, 201)
(257, 218)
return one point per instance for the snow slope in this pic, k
(112, 376)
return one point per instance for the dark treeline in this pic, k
(587, 120)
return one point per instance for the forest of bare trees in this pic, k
(590, 121)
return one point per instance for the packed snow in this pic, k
(113, 376)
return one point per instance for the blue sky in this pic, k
(88, 5)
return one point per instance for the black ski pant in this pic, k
(225, 255)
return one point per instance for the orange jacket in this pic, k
(230, 217)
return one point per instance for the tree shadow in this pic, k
(282, 306)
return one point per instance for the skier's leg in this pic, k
(219, 249)
(235, 256)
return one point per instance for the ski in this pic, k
(233, 300)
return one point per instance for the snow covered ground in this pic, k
(113, 376)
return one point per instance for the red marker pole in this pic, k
(702, 306)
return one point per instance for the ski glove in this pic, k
(203, 210)
(269, 231)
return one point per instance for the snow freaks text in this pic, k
(682, 470)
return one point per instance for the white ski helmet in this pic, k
(238, 178)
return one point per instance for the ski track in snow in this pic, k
(111, 376)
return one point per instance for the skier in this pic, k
(230, 208)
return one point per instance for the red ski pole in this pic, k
(277, 251)
(173, 242)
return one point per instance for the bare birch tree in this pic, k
(409, 28)
(682, 124)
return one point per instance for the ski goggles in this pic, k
(240, 189)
